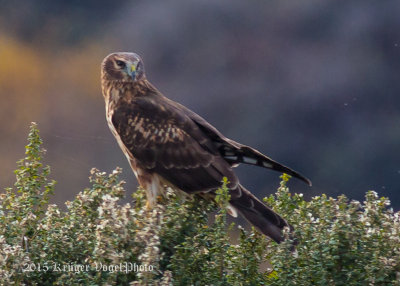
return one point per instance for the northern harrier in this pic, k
(167, 144)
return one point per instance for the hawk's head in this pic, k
(126, 67)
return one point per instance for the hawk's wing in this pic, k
(164, 139)
(236, 153)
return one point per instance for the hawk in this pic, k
(167, 144)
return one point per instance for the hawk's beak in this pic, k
(132, 71)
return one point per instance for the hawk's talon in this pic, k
(148, 205)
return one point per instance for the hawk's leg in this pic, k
(152, 184)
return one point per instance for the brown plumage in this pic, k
(167, 144)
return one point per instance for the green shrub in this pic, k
(185, 241)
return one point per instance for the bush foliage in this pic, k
(100, 241)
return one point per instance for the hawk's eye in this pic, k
(119, 63)
(139, 66)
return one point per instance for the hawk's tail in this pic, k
(259, 215)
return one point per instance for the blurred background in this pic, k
(312, 84)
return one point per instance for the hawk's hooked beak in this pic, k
(132, 71)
